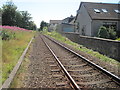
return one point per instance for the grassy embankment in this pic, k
(0, 61)
(59, 37)
(13, 44)
(18, 81)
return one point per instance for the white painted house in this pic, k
(90, 16)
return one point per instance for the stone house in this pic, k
(90, 16)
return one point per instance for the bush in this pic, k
(112, 33)
(108, 33)
(7, 35)
(103, 33)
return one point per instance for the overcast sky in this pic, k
(51, 9)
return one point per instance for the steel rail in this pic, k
(74, 84)
(111, 75)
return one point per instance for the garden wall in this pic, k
(107, 47)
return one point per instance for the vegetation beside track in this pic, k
(14, 42)
(118, 39)
(61, 38)
(18, 81)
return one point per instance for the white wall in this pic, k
(84, 20)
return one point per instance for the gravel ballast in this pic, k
(40, 74)
(43, 71)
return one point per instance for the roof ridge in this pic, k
(99, 3)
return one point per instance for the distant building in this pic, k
(68, 19)
(90, 16)
(53, 24)
(67, 25)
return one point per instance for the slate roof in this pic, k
(68, 19)
(55, 21)
(110, 15)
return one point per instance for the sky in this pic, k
(51, 9)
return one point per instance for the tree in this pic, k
(0, 16)
(12, 17)
(26, 18)
(32, 25)
(18, 19)
(42, 25)
(8, 14)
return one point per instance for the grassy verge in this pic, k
(59, 37)
(0, 61)
(13, 44)
(20, 76)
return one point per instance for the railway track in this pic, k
(80, 72)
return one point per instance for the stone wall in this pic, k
(107, 47)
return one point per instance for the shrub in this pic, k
(112, 33)
(7, 35)
(103, 33)
(108, 33)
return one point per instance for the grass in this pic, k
(0, 61)
(20, 76)
(59, 37)
(13, 48)
(18, 81)
(118, 39)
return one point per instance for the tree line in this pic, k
(43, 25)
(11, 16)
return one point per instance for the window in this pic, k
(97, 10)
(110, 25)
(117, 11)
(104, 10)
